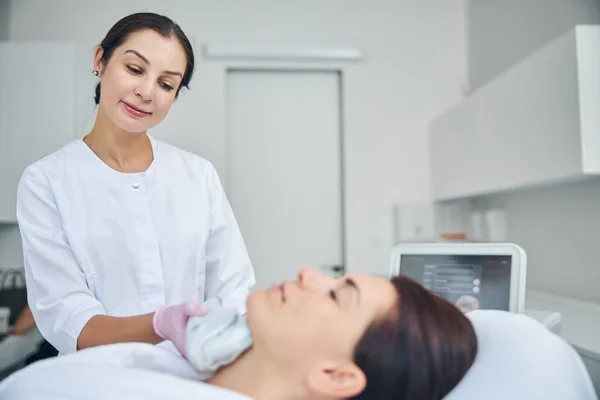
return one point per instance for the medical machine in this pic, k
(470, 275)
(487, 276)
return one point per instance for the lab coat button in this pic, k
(136, 185)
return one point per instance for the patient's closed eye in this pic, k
(349, 291)
(333, 295)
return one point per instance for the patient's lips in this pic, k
(280, 289)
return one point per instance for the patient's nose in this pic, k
(310, 279)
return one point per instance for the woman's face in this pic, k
(140, 80)
(317, 321)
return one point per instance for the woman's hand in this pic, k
(167, 323)
(170, 322)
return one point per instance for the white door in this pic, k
(284, 174)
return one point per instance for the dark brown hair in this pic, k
(419, 352)
(160, 24)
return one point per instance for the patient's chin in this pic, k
(256, 309)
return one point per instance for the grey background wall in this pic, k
(413, 67)
(10, 242)
(4, 19)
(560, 226)
(400, 93)
(500, 33)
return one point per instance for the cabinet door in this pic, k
(37, 109)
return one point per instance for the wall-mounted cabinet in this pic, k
(536, 124)
(44, 89)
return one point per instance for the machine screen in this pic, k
(470, 281)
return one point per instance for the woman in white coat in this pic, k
(124, 236)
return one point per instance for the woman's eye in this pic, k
(332, 294)
(168, 88)
(134, 70)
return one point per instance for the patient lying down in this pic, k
(357, 337)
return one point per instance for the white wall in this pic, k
(559, 227)
(500, 33)
(10, 247)
(414, 65)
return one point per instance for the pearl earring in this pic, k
(95, 72)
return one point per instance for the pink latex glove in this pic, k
(169, 322)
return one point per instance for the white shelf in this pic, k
(536, 124)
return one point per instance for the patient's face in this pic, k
(317, 318)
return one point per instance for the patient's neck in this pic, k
(253, 376)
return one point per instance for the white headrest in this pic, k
(519, 358)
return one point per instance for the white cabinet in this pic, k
(536, 124)
(42, 100)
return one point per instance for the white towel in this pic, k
(132, 371)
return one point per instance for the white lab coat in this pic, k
(97, 241)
